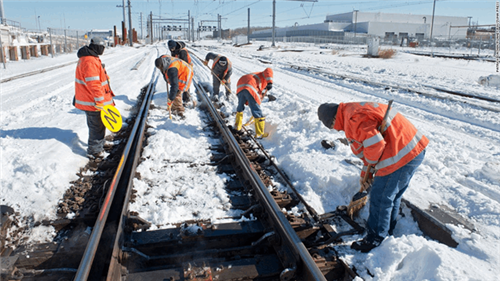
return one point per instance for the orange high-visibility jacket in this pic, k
(91, 84)
(388, 150)
(185, 73)
(255, 83)
(229, 66)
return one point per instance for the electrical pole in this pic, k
(192, 30)
(497, 35)
(355, 22)
(130, 35)
(124, 18)
(219, 18)
(248, 28)
(432, 26)
(141, 27)
(274, 21)
(189, 26)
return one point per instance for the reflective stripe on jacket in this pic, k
(388, 150)
(229, 66)
(255, 83)
(185, 73)
(91, 84)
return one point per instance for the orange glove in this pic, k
(99, 106)
(205, 62)
(223, 81)
(169, 104)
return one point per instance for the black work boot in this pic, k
(365, 245)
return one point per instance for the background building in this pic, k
(389, 27)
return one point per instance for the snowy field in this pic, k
(43, 143)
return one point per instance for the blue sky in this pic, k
(86, 15)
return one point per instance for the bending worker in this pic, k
(251, 91)
(179, 75)
(395, 152)
(92, 93)
(221, 72)
(179, 50)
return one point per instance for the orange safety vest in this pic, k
(91, 84)
(229, 65)
(388, 150)
(185, 73)
(255, 83)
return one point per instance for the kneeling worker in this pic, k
(179, 75)
(395, 152)
(251, 91)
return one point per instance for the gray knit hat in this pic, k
(327, 112)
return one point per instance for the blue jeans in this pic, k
(245, 96)
(97, 131)
(385, 199)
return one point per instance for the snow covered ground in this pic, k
(43, 142)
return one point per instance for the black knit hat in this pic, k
(327, 112)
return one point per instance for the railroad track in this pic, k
(424, 90)
(275, 246)
(108, 242)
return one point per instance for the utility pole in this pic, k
(2, 15)
(189, 26)
(124, 18)
(141, 27)
(432, 26)
(355, 22)
(274, 21)
(248, 28)
(192, 30)
(130, 35)
(497, 35)
(219, 18)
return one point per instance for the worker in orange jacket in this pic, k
(251, 89)
(178, 50)
(179, 75)
(395, 152)
(222, 69)
(92, 93)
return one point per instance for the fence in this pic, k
(361, 39)
(66, 40)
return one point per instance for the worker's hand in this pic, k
(169, 104)
(365, 185)
(223, 81)
(99, 106)
(269, 86)
(205, 62)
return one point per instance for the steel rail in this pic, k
(90, 251)
(302, 261)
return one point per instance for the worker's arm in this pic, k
(174, 82)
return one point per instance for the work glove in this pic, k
(99, 106)
(365, 185)
(205, 62)
(169, 103)
(269, 86)
(223, 81)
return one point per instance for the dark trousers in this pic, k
(385, 199)
(97, 131)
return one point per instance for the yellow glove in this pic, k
(169, 103)
(205, 62)
(223, 81)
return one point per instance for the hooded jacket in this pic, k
(223, 72)
(389, 149)
(91, 81)
(178, 74)
(181, 52)
(255, 83)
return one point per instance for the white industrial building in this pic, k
(389, 27)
